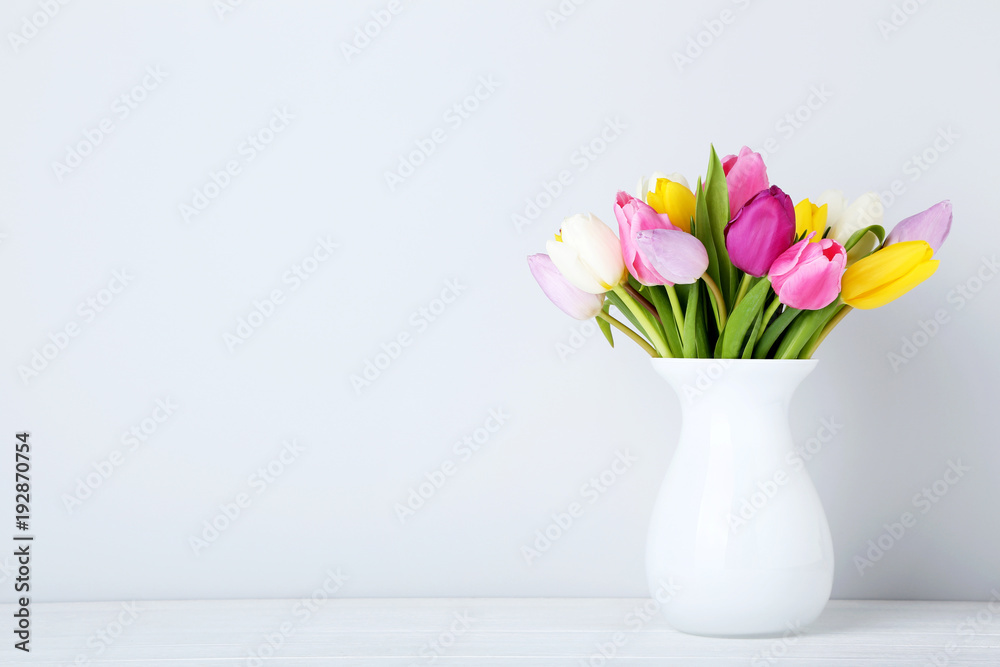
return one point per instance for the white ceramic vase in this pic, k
(738, 532)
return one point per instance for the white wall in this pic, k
(494, 348)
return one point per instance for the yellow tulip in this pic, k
(887, 274)
(810, 218)
(675, 200)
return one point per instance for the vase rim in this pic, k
(742, 362)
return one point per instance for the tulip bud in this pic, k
(763, 229)
(676, 255)
(588, 254)
(674, 200)
(571, 300)
(887, 274)
(746, 175)
(647, 185)
(810, 218)
(807, 275)
(634, 216)
(931, 225)
(864, 211)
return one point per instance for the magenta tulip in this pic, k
(635, 216)
(761, 230)
(571, 300)
(931, 225)
(807, 275)
(674, 254)
(746, 175)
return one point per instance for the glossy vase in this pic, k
(738, 533)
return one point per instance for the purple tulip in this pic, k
(807, 275)
(761, 230)
(674, 254)
(746, 175)
(635, 216)
(571, 300)
(931, 225)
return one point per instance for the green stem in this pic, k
(643, 301)
(744, 288)
(675, 305)
(720, 303)
(769, 313)
(841, 314)
(650, 323)
(631, 334)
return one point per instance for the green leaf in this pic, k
(818, 330)
(623, 309)
(604, 325)
(774, 330)
(856, 237)
(748, 350)
(717, 204)
(702, 230)
(691, 322)
(703, 349)
(742, 319)
(658, 295)
(804, 329)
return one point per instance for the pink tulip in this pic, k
(807, 275)
(571, 300)
(746, 175)
(760, 231)
(931, 225)
(674, 254)
(635, 216)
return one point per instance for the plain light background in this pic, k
(570, 404)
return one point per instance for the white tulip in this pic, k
(588, 254)
(844, 220)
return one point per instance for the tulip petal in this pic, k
(863, 212)
(931, 225)
(674, 254)
(746, 175)
(761, 230)
(567, 260)
(887, 274)
(597, 247)
(570, 299)
(836, 204)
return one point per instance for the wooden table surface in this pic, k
(486, 632)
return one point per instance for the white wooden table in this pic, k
(486, 633)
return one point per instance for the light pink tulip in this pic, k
(635, 216)
(931, 225)
(807, 275)
(677, 256)
(746, 175)
(571, 300)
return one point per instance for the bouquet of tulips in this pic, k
(734, 270)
